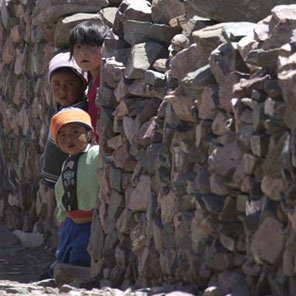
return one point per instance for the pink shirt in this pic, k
(93, 110)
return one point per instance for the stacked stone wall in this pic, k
(197, 134)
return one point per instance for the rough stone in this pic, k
(50, 11)
(263, 245)
(244, 12)
(131, 10)
(223, 160)
(142, 57)
(64, 26)
(66, 273)
(165, 10)
(187, 60)
(138, 32)
(140, 196)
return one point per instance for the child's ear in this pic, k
(57, 143)
(89, 135)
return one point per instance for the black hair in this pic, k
(88, 32)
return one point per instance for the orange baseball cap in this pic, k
(69, 115)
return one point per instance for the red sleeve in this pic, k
(93, 110)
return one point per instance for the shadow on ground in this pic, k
(20, 263)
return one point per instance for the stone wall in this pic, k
(197, 133)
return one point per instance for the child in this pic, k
(77, 187)
(68, 83)
(85, 41)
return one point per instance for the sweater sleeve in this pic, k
(53, 159)
(88, 183)
(59, 192)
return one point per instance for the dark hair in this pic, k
(88, 32)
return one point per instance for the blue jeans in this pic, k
(73, 242)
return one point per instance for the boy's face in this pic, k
(88, 57)
(67, 88)
(72, 138)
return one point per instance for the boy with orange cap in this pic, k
(77, 187)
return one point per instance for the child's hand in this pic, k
(60, 225)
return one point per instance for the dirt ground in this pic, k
(19, 263)
(23, 268)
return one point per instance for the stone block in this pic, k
(138, 32)
(272, 187)
(140, 196)
(165, 10)
(69, 274)
(142, 57)
(112, 72)
(64, 26)
(233, 282)
(259, 144)
(263, 243)
(136, 10)
(29, 239)
(207, 104)
(223, 160)
(51, 11)
(169, 206)
(188, 60)
(182, 106)
(8, 52)
(244, 12)
(217, 185)
(182, 224)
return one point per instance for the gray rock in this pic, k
(165, 10)
(259, 144)
(7, 19)
(138, 32)
(105, 97)
(233, 283)
(64, 26)
(50, 11)
(9, 239)
(224, 160)
(136, 10)
(190, 59)
(195, 81)
(208, 102)
(142, 57)
(116, 206)
(233, 32)
(263, 245)
(108, 14)
(179, 42)
(154, 78)
(213, 203)
(140, 196)
(70, 274)
(246, 11)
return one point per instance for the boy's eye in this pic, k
(77, 46)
